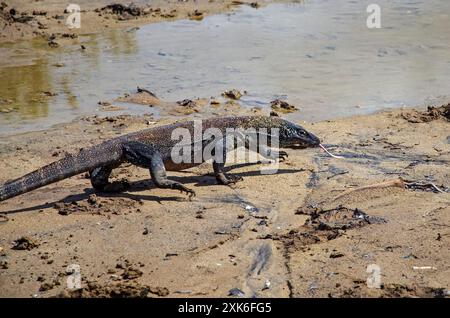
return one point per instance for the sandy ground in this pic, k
(21, 19)
(307, 231)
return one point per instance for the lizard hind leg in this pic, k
(147, 156)
(99, 180)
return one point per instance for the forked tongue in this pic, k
(334, 156)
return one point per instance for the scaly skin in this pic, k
(151, 148)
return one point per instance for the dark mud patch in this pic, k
(122, 283)
(125, 11)
(120, 121)
(99, 205)
(25, 243)
(14, 16)
(391, 291)
(324, 225)
(129, 271)
(340, 218)
(432, 113)
(116, 290)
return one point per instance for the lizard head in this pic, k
(295, 136)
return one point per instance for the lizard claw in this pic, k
(229, 179)
(189, 192)
(282, 155)
(183, 189)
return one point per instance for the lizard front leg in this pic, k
(222, 177)
(218, 166)
(147, 156)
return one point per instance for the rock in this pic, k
(159, 291)
(4, 265)
(336, 255)
(236, 292)
(24, 243)
(39, 12)
(131, 273)
(93, 199)
(48, 93)
(232, 94)
(283, 106)
(187, 103)
(196, 15)
(53, 44)
(266, 284)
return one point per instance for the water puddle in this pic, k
(318, 55)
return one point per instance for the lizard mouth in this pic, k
(300, 146)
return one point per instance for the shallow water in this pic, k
(319, 55)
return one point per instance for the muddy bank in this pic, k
(19, 20)
(311, 230)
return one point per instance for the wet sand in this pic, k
(300, 233)
(48, 17)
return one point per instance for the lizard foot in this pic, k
(228, 179)
(182, 188)
(282, 155)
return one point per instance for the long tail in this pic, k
(86, 160)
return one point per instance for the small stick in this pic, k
(387, 184)
(334, 156)
(423, 268)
